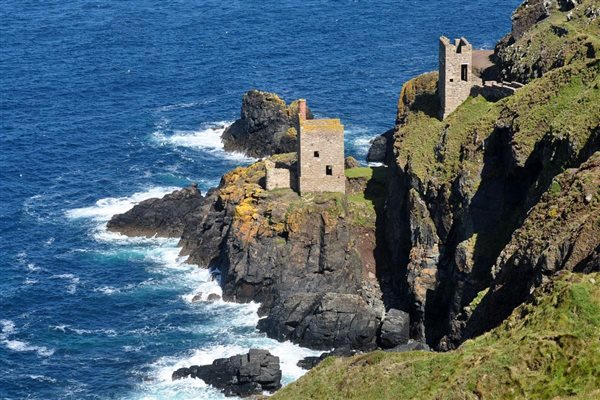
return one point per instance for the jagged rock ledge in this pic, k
(240, 375)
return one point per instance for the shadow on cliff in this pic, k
(376, 193)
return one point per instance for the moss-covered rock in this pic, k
(549, 34)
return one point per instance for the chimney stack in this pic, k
(302, 109)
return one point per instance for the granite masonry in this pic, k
(320, 166)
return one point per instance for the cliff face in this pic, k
(548, 34)
(461, 188)
(266, 126)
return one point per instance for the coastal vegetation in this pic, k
(536, 353)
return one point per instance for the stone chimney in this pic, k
(302, 109)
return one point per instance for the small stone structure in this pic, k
(320, 166)
(277, 178)
(456, 77)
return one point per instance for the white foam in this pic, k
(107, 290)
(105, 208)
(32, 267)
(74, 281)
(363, 143)
(42, 378)
(20, 346)
(8, 327)
(208, 138)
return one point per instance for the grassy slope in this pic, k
(549, 348)
(565, 103)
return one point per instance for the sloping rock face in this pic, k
(561, 232)
(266, 126)
(165, 217)
(461, 188)
(548, 34)
(241, 375)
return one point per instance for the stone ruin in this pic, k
(460, 68)
(320, 154)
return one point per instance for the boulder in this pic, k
(323, 321)
(164, 217)
(240, 375)
(351, 162)
(197, 298)
(411, 345)
(394, 329)
(213, 297)
(380, 147)
(312, 361)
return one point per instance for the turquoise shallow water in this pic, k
(105, 103)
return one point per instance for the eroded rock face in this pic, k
(451, 213)
(561, 232)
(164, 217)
(241, 375)
(394, 329)
(266, 126)
(324, 321)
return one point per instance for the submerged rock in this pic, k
(240, 375)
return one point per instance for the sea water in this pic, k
(106, 103)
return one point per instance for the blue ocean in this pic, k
(106, 103)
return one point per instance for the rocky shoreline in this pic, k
(469, 217)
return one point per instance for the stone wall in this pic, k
(453, 89)
(277, 178)
(321, 156)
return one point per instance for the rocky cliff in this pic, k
(548, 34)
(463, 188)
(267, 126)
(310, 261)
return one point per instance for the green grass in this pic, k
(547, 349)
(363, 207)
(359, 172)
(563, 105)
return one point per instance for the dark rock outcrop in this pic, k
(240, 375)
(306, 260)
(381, 148)
(311, 361)
(394, 329)
(266, 126)
(324, 321)
(165, 217)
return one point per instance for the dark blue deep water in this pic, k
(103, 104)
